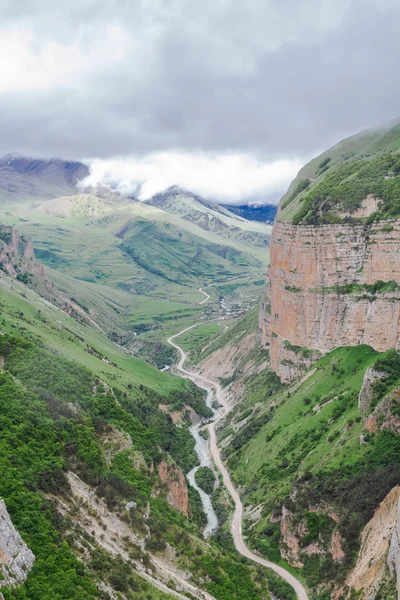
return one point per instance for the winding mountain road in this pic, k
(236, 526)
(207, 297)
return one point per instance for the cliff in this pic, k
(16, 559)
(379, 556)
(173, 478)
(17, 257)
(334, 276)
(329, 286)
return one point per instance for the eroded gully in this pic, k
(213, 387)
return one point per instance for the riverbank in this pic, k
(236, 525)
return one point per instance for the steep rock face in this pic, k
(384, 416)
(16, 254)
(291, 535)
(394, 551)
(174, 479)
(322, 291)
(366, 391)
(16, 559)
(379, 549)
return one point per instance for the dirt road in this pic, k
(236, 526)
(207, 297)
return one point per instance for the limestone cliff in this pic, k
(379, 551)
(334, 277)
(329, 286)
(16, 559)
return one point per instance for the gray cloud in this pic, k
(271, 79)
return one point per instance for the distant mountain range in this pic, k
(261, 214)
(23, 178)
(176, 240)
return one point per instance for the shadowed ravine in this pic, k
(236, 525)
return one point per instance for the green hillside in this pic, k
(138, 255)
(298, 446)
(69, 397)
(332, 186)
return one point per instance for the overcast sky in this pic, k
(226, 97)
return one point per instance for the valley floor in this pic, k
(236, 525)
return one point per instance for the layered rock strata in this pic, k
(330, 286)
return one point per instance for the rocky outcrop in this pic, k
(235, 361)
(17, 257)
(293, 546)
(366, 391)
(394, 551)
(379, 548)
(336, 548)
(173, 478)
(330, 286)
(384, 415)
(16, 559)
(291, 535)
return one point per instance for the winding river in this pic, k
(214, 389)
(201, 449)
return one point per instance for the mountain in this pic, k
(211, 217)
(312, 443)
(86, 206)
(98, 446)
(94, 450)
(334, 277)
(261, 214)
(316, 461)
(122, 259)
(23, 178)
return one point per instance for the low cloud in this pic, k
(224, 178)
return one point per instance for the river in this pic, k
(236, 524)
(203, 454)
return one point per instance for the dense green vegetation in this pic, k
(32, 459)
(54, 416)
(307, 438)
(43, 436)
(361, 148)
(149, 428)
(344, 188)
(300, 187)
(205, 479)
(390, 365)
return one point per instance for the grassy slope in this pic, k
(61, 333)
(126, 280)
(24, 313)
(364, 146)
(278, 438)
(297, 422)
(66, 439)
